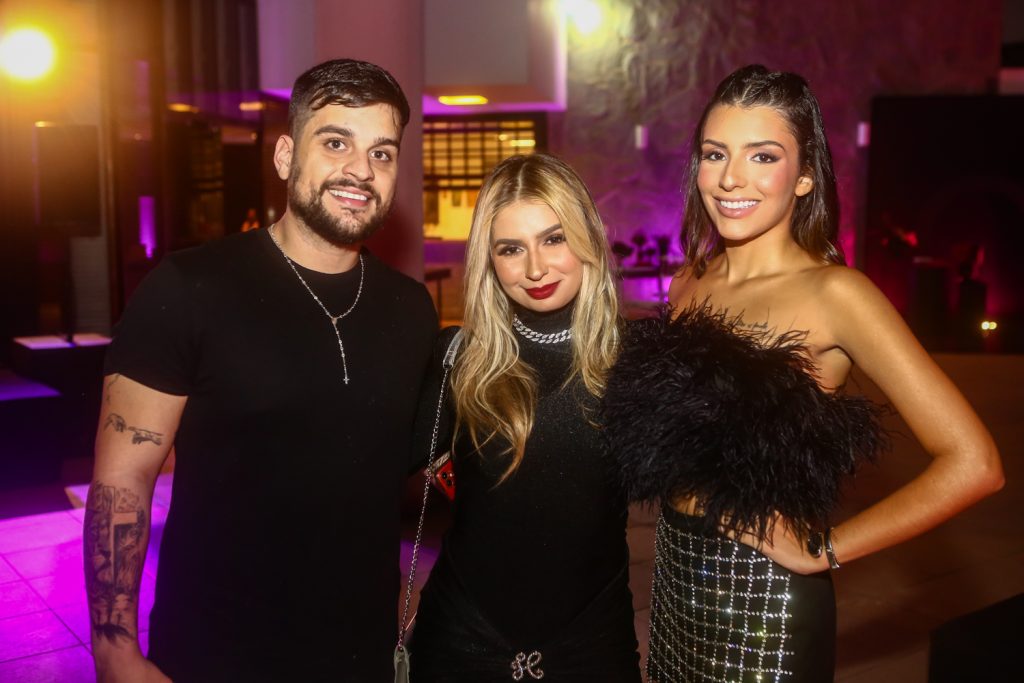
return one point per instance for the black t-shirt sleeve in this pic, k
(153, 341)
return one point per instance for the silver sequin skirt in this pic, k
(721, 611)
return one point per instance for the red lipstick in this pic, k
(542, 292)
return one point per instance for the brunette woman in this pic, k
(730, 410)
(532, 579)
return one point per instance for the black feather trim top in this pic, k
(697, 408)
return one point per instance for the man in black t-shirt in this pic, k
(284, 366)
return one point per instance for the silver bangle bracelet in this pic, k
(830, 553)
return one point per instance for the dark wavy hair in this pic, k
(348, 82)
(815, 223)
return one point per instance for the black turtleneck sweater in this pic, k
(533, 551)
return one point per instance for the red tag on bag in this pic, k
(444, 476)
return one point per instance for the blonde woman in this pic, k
(532, 578)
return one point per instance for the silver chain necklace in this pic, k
(335, 319)
(535, 336)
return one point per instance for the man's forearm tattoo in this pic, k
(139, 435)
(114, 529)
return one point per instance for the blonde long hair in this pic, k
(495, 391)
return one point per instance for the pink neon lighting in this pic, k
(147, 224)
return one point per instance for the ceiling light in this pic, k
(27, 54)
(462, 100)
(585, 14)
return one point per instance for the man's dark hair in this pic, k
(348, 82)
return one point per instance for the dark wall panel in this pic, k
(67, 180)
(945, 204)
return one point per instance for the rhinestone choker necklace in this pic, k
(335, 319)
(534, 336)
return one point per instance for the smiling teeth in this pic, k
(348, 195)
(738, 205)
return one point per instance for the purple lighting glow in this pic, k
(13, 387)
(52, 341)
(147, 224)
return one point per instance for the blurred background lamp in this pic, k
(989, 325)
(585, 14)
(462, 100)
(26, 54)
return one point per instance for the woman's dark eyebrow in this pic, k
(759, 143)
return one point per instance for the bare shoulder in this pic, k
(855, 311)
(842, 285)
(682, 287)
(840, 277)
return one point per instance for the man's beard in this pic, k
(331, 228)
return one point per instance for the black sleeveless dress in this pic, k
(696, 408)
(532, 578)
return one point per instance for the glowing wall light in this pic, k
(147, 224)
(989, 325)
(462, 100)
(584, 14)
(27, 54)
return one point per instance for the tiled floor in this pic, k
(37, 558)
(888, 603)
(44, 621)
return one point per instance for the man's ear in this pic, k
(283, 156)
(804, 185)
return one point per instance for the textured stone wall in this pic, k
(655, 62)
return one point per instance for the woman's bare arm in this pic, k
(965, 463)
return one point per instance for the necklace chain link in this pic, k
(335, 319)
(540, 338)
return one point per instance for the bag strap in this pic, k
(447, 363)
